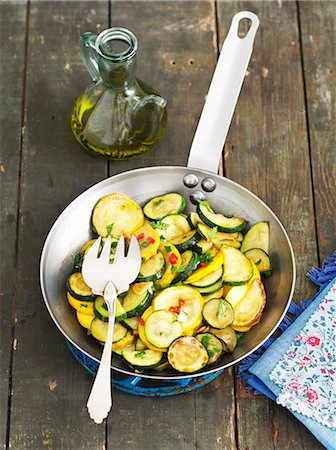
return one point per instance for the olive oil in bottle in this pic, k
(118, 116)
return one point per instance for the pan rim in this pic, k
(78, 198)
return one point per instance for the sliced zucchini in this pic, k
(162, 328)
(102, 313)
(257, 237)
(186, 241)
(210, 289)
(193, 218)
(206, 270)
(99, 330)
(116, 214)
(175, 226)
(190, 262)
(135, 304)
(236, 293)
(141, 330)
(213, 235)
(149, 241)
(152, 269)
(119, 351)
(131, 323)
(249, 309)
(237, 267)
(223, 223)
(209, 279)
(218, 313)
(217, 294)
(164, 205)
(187, 354)
(80, 305)
(141, 288)
(213, 346)
(124, 342)
(260, 259)
(185, 301)
(79, 289)
(173, 260)
(84, 319)
(139, 345)
(144, 359)
(203, 246)
(228, 336)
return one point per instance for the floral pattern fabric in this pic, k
(307, 371)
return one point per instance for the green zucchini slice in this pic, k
(144, 359)
(210, 289)
(218, 313)
(139, 345)
(257, 237)
(194, 219)
(162, 328)
(187, 354)
(175, 225)
(100, 310)
(135, 304)
(159, 207)
(152, 269)
(213, 346)
(99, 330)
(228, 336)
(79, 289)
(131, 323)
(203, 246)
(260, 259)
(186, 241)
(190, 262)
(223, 223)
(237, 267)
(210, 279)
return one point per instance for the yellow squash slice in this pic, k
(249, 309)
(173, 259)
(84, 319)
(116, 214)
(81, 306)
(149, 241)
(204, 271)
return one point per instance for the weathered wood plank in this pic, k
(267, 151)
(12, 63)
(317, 22)
(177, 56)
(49, 388)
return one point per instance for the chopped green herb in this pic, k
(114, 244)
(211, 353)
(78, 259)
(109, 229)
(83, 306)
(167, 248)
(139, 354)
(145, 244)
(159, 225)
(158, 202)
(177, 269)
(257, 262)
(178, 284)
(207, 258)
(205, 340)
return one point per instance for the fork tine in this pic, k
(105, 254)
(93, 250)
(120, 250)
(133, 257)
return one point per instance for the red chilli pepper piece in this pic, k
(173, 259)
(175, 309)
(150, 240)
(140, 236)
(141, 321)
(203, 265)
(181, 302)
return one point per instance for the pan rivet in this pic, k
(209, 184)
(196, 196)
(190, 180)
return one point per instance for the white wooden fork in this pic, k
(108, 280)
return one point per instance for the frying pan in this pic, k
(198, 180)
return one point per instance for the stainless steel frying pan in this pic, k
(72, 228)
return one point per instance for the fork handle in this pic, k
(100, 400)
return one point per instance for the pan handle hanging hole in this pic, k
(190, 180)
(196, 196)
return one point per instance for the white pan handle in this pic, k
(222, 97)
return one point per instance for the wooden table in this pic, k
(281, 146)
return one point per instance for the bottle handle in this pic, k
(89, 55)
(215, 120)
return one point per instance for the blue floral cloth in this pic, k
(306, 371)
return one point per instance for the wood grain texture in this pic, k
(267, 151)
(12, 63)
(317, 22)
(49, 388)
